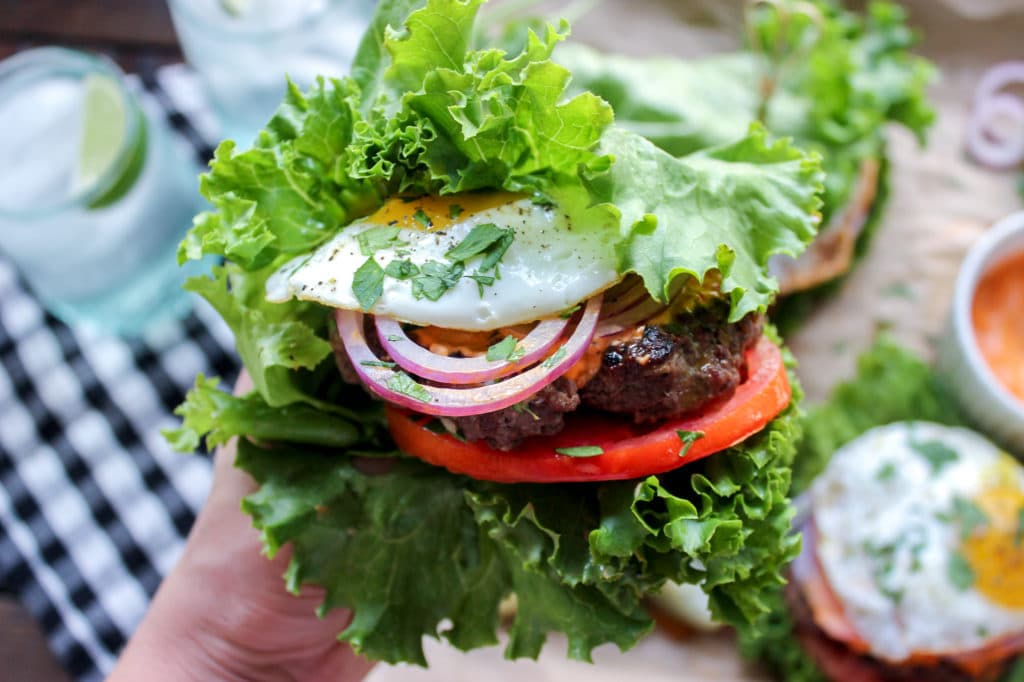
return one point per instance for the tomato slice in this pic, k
(628, 450)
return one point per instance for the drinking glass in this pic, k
(243, 49)
(94, 194)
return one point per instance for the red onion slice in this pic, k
(620, 298)
(400, 389)
(999, 77)
(989, 145)
(414, 358)
(999, 149)
(634, 315)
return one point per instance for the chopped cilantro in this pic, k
(368, 283)
(959, 572)
(968, 515)
(898, 290)
(394, 337)
(502, 350)
(581, 451)
(400, 382)
(401, 269)
(554, 359)
(437, 426)
(378, 363)
(495, 252)
(481, 282)
(524, 408)
(566, 314)
(434, 279)
(422, 218)
(688, 438)
(886, 472)
(936, 452)
(454, 211)
(373, 240)
(487, 239)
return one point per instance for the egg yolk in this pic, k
(437, 212)
(996, 552)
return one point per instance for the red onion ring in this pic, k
(620, 298)
(985, 143)
(999, 77)
(461, 402)
(414, 358)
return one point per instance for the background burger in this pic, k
(827, 77)
(531, 318)
(910, 567)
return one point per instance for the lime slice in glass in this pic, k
(105, 123)
(103, 130)
(236, 8)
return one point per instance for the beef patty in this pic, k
(668, 371)
(676, 368)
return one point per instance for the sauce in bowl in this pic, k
(997, 315)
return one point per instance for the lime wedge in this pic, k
(236, 8)
(103, 129)
(101, 150)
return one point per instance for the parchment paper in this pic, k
(940, 204)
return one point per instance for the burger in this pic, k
(910, 566)
(501, 346)
(827, 77)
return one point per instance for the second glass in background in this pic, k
(243, 49)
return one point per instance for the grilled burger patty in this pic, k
(675, 368)
(668, 371)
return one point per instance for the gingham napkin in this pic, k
(94, 506)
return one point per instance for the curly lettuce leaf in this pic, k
(579, 557)
(273, 340)
(423, 113)
(212, 417)
(729, 208)
(833, 98)
(891, 385)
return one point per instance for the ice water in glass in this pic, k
(244, 49)
(92, 206)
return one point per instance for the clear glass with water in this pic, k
(243, 49)
(94, 195)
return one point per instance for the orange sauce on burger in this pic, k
(998, 319)
(471, 344)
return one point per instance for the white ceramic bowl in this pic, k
(987, 402)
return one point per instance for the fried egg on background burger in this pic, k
(912, 556)
(548, 332)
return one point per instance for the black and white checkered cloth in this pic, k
(94, 506)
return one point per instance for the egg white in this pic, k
(552, 265)
(880, 491)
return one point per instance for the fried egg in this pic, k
(919, 534)
(551, 264)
